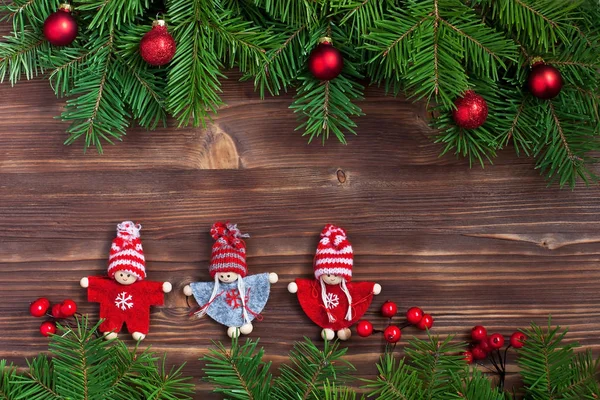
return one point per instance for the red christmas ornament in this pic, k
(471, 110)
(56, 312)
(496, 341)
(389, 309)
(364, 328)
(68, 308)
(478, 353)
(325, 61)
(47, 328)
(517, 340)
(60, 28)
(157, 47)
(392, 334)
(414, 315)
(468, 357)
(545, 81)
(426, 322)
(478, 333)
(39, 307)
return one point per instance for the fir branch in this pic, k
(396, 380)
(360, 15)
(112, 14)
(19, 56)
(39, 381)
(293, 13)
(27, 13)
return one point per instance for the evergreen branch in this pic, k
(536, 12)
(396, 380)
(112, 13)
(19, 56)
(559, 128)
(39, 381)
(293, 13)
(360, 15)
(27, 13)
(65, 68)
(160, 383)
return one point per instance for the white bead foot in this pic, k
(327, 334)
(344, 334)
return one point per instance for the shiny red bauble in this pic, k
(517, 340)
(56, 312)
(68, 308)
(414, 315)
(471, 110)
(47, 328)
(325, 61)
(389, 309)
(426, 322)
(157, 47)
(478, 333)
(545, 81)
(392, 334)
(39, 307)
(364, 328)
(468, 357)
(496, 341)
(60, 28)
(478, 353)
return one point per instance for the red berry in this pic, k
(496, 341)
(392, 334)
(485, 346)
(39, 307)
(468, 357)
(478, 353)
(414, 315)
(364, 328)
(478, 333)
(56, 313)
(68, 307)
(389, 309)
(47, 328)
(426, 322)
(517, 340)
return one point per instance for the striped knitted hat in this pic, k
(126, 252)
(229, 250)
(334, 253)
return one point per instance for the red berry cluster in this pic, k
(40, 307)
(393, 333)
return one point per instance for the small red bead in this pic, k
(414, 315)
(364, 328)
(39, 307)
(478, 353)
(389, 309)
(47, 328)
(392, 334)
(496, 341)
(56, 312)
(468, 357)
(426, 322)
(517, 340)
(478, 333)
(68, 307)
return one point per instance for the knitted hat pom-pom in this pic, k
(333, 232)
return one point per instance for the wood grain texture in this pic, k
(491, 246)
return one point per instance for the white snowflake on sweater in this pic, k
(124, 301)
(331, 300)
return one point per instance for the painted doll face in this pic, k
(331, 279)
(125, 278)
(227, 277)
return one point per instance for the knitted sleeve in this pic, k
(97, 288)
(152, 292)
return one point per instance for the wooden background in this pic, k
(489, 246)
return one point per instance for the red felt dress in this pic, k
(309, 296)
(129, 304)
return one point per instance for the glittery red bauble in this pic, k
(517, 340)
(389, 309)
(496, 341)
(364, 328)
(47, 328)
(545, 81)
(414, 315)
(478, 333)
(60, 28)
(68, 308)
(157, 47)
(39, 307)
(471, 110)
(392, 334)
(325, 62)
(426, 322)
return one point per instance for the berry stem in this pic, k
(493, 360)
(404, 324)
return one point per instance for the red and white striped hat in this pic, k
(334, 253)
(228, 251)
(126, 252)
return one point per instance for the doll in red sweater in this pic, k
(125, 296)
(330, 300)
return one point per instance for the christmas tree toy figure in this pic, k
(125, 296)
(221, 299)
(331, 300)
